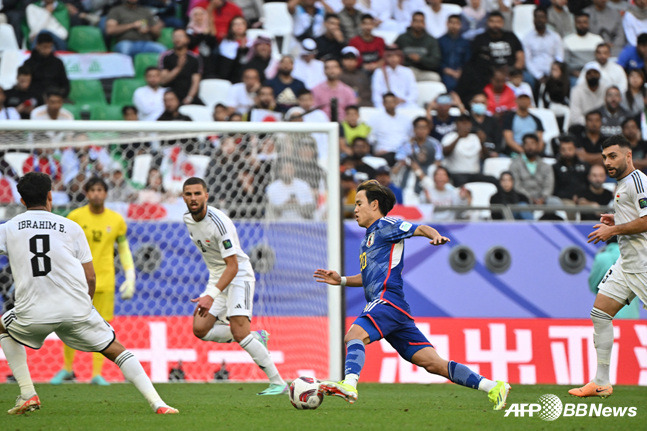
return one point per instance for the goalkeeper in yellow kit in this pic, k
(103, 227)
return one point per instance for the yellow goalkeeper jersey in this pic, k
(102, 231)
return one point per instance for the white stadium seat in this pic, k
(523, 20)
(141, 166)
(481, 194)
(16, 160)
(214, 91)
(494, 166)
(197, 112)
(428, 91)
(8, 38)
(278, 20)
(551, 128)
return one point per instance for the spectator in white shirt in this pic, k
(463, 151)
(579, 47)
(289, 198)
(149, 100)
(306, 67)
(588, 96)
(240, 97)
(541, 47)
(395, 78)
(7, 113)
(635, 21)
(52, 110)
(611, 73)
(389, 130)
(436, 15)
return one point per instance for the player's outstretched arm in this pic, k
(431, 233)
(90, 277)
(331, 277)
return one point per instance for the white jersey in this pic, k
(216, 238)
(630, 203)
(46, 252)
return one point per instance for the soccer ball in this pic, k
(304, 393)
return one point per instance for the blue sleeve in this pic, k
(399, 231)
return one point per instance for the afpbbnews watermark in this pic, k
(549, 407)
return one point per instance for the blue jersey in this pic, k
(381, 263)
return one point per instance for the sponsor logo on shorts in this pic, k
(549, 408)
(227, 244)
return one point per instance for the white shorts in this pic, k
(91, 335)
(624, 286)
(236, 300)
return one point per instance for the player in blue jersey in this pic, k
(387, 314)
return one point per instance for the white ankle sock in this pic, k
(219, 334)
(17, 359)
(351, 379)
(261, 356)
(486, 385)
(135, 374)
(603, 342)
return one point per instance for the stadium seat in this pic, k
(85, 38)
(551, 128)
(123, 89)
(141, 166)
(481, 194)
(87, 91)
(366, 112)
(16, 160)
(374, 162)
(428, 91)
(494, 166)
(200, 164)
(388, 36)
(143, 61)
(8, 38)
(166, 37)
(278, 20)
(11, 60)
(523, 20)
(412, 113)
(105, 113)
(214, 91)
(74, 110)
(453, 9)
(197, 112)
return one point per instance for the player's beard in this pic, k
(198, 210)
(618, 172)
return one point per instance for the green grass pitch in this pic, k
(234, 406)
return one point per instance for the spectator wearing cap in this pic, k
(308, 18)
(181, 69)
(394, 78)
(520, 123)
(135, 29)
(607, 22)
(383, 176)
(455, 52)
(307, 68)
(500, 97)
(240, 96)
(47, 70)
(633, 57)
(370, 47)
(286, 87)
(541, 47)
(463, 152)
(611, 73)
(389, 129)
(331, 42)
(420, 49)
(350, 19)
(579, 47)
(586, 96)
(355, 77)
(333, 88)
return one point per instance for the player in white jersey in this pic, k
(224, 309)
(55, 281)
(627, 278)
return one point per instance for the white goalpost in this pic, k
(144, 164)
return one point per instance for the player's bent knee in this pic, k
(200, 332)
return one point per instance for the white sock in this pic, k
(351, 379)
(17, 359)
(219, 334)
(261, 356)
(486, 385)
(603, 342)
(135, 374)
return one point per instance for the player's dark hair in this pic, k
(193, 181)
(377, 192)
(93, 182)
(618, 140)
(33, 188)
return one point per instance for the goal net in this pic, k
(273, 179)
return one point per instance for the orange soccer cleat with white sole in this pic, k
(592, 389)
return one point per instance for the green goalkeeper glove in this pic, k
(127, 288)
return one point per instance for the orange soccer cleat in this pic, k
(592, 389)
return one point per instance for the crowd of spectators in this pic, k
(583, 60)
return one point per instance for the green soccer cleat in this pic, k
(339, 389)
(99, 381)
(263, 336)
(499, 394)
(23, 406)
(274, 389)
(63, 376)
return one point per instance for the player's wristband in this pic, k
(212, 291)
(343, 282)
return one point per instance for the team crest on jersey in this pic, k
(370, 240)
(227, 244)
(642, 202)
(108, 229)
(405, 226)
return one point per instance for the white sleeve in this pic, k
(82, 247)
(379, 87)
(640, 199)
(3, 238)
(412, 91)
(226, 244)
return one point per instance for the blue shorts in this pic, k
(384, 321)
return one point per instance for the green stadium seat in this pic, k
(87, 91)
(85, 38)
(143, 61)
(123, 89)
(166, 37)
(74, 109)
(105, 113)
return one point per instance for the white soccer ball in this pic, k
(304, 393)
